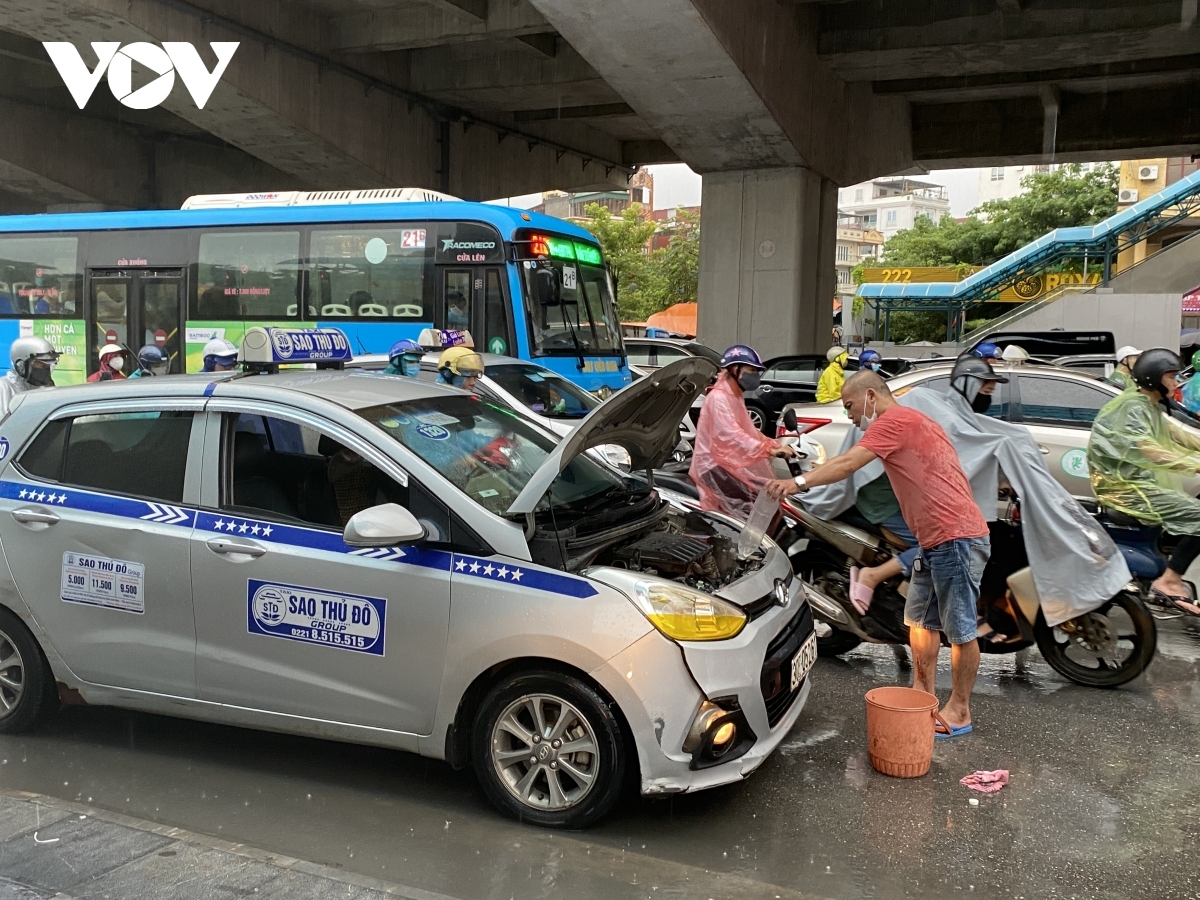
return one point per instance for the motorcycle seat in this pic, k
(853, 517)
(1120, 518)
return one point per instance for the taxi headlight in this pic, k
(686, 615)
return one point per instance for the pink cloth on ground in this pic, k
(986, 782)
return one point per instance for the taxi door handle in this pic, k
(31, 516)
(1045, 450)
(222, 545)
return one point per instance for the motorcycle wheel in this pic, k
(818, 571)
(837, 642)
(1105, 648)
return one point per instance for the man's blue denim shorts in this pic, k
(944, 589)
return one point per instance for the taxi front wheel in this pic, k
(24, 677)
(547, 749)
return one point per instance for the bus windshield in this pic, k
(588, 309)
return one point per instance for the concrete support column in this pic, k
(767, 271)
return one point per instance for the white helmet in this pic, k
(25, 350)
(219, 351)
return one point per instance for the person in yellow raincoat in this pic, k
(1137, 458)
(829, 388)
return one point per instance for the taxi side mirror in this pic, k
(387, 525)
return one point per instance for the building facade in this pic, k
(1004, 182)
(1143, 178)
(888, 205)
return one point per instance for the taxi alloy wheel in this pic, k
(549, 750)
(23, 676)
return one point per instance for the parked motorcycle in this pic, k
(1106, 647)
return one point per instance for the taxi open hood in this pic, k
(643, 418)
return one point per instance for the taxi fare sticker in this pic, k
(100, 581)
(314, 616)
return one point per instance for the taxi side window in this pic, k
(283, 470)
(142, 454)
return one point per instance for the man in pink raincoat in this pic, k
(730, 457)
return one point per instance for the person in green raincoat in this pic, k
(1122, 374)
(1137, 458)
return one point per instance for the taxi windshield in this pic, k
(488, 452)
(544, 392)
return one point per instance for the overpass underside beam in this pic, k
(767, 273)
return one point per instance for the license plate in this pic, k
(803, 661)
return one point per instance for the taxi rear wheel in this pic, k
(548, 750)
(24, 677)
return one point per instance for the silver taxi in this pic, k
(389, 562)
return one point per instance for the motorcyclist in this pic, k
(870, 359)
(829, 388)
(1137, 456)
(112, 361)
(405, 359)
(220, 355)
(152, 360)
(460, 367)
(729, 461)
(1122, 374)
(33, 360)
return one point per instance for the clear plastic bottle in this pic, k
(761, 516)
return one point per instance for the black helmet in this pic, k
(969, 366)
(1152, 365)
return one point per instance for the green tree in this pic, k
(1059, 199)
(647, 282)
(623, 239)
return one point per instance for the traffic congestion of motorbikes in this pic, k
(915, 508)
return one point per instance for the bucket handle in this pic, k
(943, 723)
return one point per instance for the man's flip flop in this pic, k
(1183, 604)
(939, 735)
(860, 595)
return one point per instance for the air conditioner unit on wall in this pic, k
(1148, 173)
(1128, 195)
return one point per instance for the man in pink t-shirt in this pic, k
(936, 502)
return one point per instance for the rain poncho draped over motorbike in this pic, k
(1076, 566)
(1137, 458)
(730, 461)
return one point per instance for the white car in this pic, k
(386, 561)
(1056, 404)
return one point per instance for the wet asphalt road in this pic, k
(1104, 800)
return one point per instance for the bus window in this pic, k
(588, 311)
(38, 276)
(458, 299)
(495, 315)
(370, 273)
(247, 275)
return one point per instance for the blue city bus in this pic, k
(524, 284)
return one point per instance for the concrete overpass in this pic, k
(775, 102)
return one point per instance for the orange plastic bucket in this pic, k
(900, 730)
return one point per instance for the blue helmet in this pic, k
(153, 360)
(741, 355)
(400, 348)
(868, 356)
(987, 350)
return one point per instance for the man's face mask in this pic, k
(116, 363)
(982, 403)
(868, 418)
(749, 379)
(410, 367)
